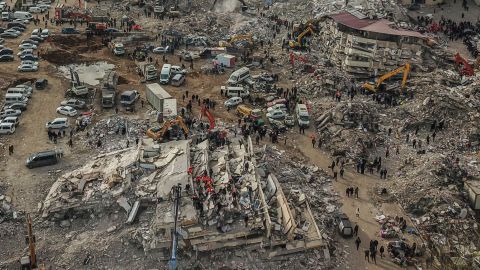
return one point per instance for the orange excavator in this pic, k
(209, 115)
(375, 86)
(159, 133)
(466, 69)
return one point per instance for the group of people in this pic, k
(350, 191)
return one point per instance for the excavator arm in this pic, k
(374, 87)
(308, 30)
(181, 123)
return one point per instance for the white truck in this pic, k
(147, 70)
(109, 89)
(156, 95)
(118, 49)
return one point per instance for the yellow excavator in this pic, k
(298, 43)
(375, 86)
(158, 133)
(235, 38)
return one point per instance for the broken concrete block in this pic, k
(123, 202)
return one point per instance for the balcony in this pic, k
(356, 63)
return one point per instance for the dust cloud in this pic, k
(227, 5)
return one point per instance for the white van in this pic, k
(7, 128)
(165, 74)
(234, 91)
(23, 15)
(22, 91)
(303, 117)
(15, 98)
(34, 10)
(35, 32)
(239, 76)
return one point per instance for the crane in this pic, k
(374, 87)
(210, 117)
(299, 43)
(172, 263)
(467, 69)
(30, 261)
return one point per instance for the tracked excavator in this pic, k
(158, 134)
(378, 85)
(298, 42)
(235, 38)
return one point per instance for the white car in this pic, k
(21, 21)
(29, 62)
(13, 31)
(277, 114)
(7, 128)
(11, 120)
(57, 123)
(232, 102)
(25, 51)
(67, 110)
(160, 50)
(178, 70)
(27, 68)
(10, 112)
(27, 46)
(275, 107)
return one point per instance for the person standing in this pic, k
(367, 255)
(382, 249)
(313, 142)
(357, 242)
(357, 213)
(355, 231)
(356, 192)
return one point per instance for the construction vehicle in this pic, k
(172, 263)
(30, 261)
(159, 134)
(237, 38)
(109, 89)
(466, 68)
(378, 85)
(78, 89)
(209, 115)
(147, 70)
(300, 42)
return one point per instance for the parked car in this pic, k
(6, 51)
(31, 41)
(69, 31)
(9, 112)
(25, 52)
(16, 23)
(276, 101)
(16, 106)
(29, 57)
(178, 80)
(279, 106)
(18, 29)
(13, 31)
(6, 58)
(8, 35)
(232, 102)
(29, 62)
(112, 30)
(277, 114)
(2, 40)
(41, 84)
(7, 128)
(57, 123)
(278, 125)
(27, 46)
(67, 110)
(27, 68)
(161, 49)
(11, 119)
(75, 103)
(178, 70)
(36, 38)
(289, 121)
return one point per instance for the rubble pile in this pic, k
(7, 212)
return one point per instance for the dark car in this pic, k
(31, 41)
(41, 84)
(70, 31)
(20, 29)
(16, 24)
(344, 226)
(6, 58)
(36, 38)
(6, 51)
(278, 126)
(8, 35)
(44, 158)
(112, 30)
(2, 30)
(30, 57)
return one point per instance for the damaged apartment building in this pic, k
(367, 47)
(224, 202)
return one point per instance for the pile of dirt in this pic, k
(79, 43)
(63, 57)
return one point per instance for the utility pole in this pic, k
(172, 263)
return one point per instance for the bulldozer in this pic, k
(159, 134)
(231, 42)
(378, 85)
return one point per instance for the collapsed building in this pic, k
(368, 47)
(224, 202)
